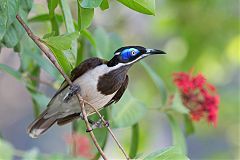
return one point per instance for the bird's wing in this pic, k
(82, 68)
(115, 99)
(43, 122)
(119, 93)
(86, 66)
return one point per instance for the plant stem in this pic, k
(105, 138)
(135, 141)
(109, 129)
(35, 108)
(38, 42)
(74, 130)
(54, 25)
(69, 27)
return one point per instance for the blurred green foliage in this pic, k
(203, 35)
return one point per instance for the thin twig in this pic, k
(52, 59)
(109, 129)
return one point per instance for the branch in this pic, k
(109, 129)
(52, 59)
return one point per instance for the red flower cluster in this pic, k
(81, 145)
(198, 96)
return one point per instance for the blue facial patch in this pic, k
(129, 54)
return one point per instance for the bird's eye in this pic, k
(133, 53)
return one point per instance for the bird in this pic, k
(98, 81)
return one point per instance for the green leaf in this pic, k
(45, 17)
(13, 35)
(10, 39)
(177, 135)
(51, 34)
(44, 64)
(26, 5)
(142, 6)
(104, 5)
(189, 127)
(8, 11)
(15, 31)
(52, 4)
(40, 18)
(67, 16)
(85, 33)
(32, 52)
(6, 150)
(62, 42)
(135, 141)
(91, 3)
(11, 71)
(85, 16)
(127, 112)
(69, 26)
(10, 29)
(30, 66)
(36, 108)
(170, 153)
(12, 9)
(62, 60)
(157, 81)
(177, 104)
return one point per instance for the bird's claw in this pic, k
(98, 124)
(74, 89)
(89, 130)
(107, 124)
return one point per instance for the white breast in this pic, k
(88, 90)
(88, 84)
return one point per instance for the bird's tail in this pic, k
(41, 124)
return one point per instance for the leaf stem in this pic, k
(177, 135)
(69, 27)
(135, 141)
(74, 130)
(109, 129)
(104, 142)
(35, 108)
(54, 25)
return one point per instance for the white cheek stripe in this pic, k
(117, 53)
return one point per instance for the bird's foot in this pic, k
(98, 124)
(74, 89)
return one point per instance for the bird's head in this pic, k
(128, 55)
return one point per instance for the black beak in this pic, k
(154, 51)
